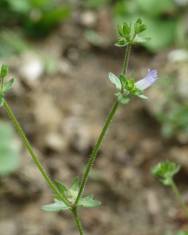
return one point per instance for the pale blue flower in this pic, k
(148, 80)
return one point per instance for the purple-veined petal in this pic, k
(148, 80)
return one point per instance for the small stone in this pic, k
(88, 19)
(55, 142)
(31, 68)
(8, 227)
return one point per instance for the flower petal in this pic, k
(148, 80)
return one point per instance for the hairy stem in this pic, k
(96, 148)
(126, 59)
(77, 221)
(32, 153)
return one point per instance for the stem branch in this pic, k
(31, 152)
(95, 150)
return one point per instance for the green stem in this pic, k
(95, 150)
(178, 196)
(126, 59)
(31, 152)
(77, 221)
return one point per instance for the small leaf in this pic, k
(115, 80)
(165, 171)
(139, 26)
(126, 29)
(141, 39)
(89, 202)
(61, 187)
(120, 30)
(4, 71)
(72, 192)
(55, 207)
(75, 184)
(142, 97)
(122, 98)
(8, 85)
(121, 42)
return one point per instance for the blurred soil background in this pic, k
(60, 53)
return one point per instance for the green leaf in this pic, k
(89, 202)
(121, 42)
(139, 26)
(141, 39)
(161, 32)
(72, 192)
(126, 30)
(75, 184)
(60, 186)
(165, 171)
(115, 81)
(8, 85)
(122, 98)
(4, 71)
(9, 150)
(55, 207)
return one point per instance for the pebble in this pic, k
(31, 68)
(8, 227)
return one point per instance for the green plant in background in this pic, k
(153, 13)
(171, 109)
(175, 120)
(9, 150)
(12, 43)
(164, 19)
(37, 17)
(165, 172)
(72, 198)
(182, 233)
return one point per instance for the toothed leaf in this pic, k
(115, 80)
(4, 71)
(55, 207)
(8, 85)
(89, 202)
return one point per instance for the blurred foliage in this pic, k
(171, 108)
(36, 17)
(9, 150)
(164, 19)
(175, 120)
(12, 43)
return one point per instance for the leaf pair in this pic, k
(71, 195)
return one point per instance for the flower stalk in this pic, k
(103, 132)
